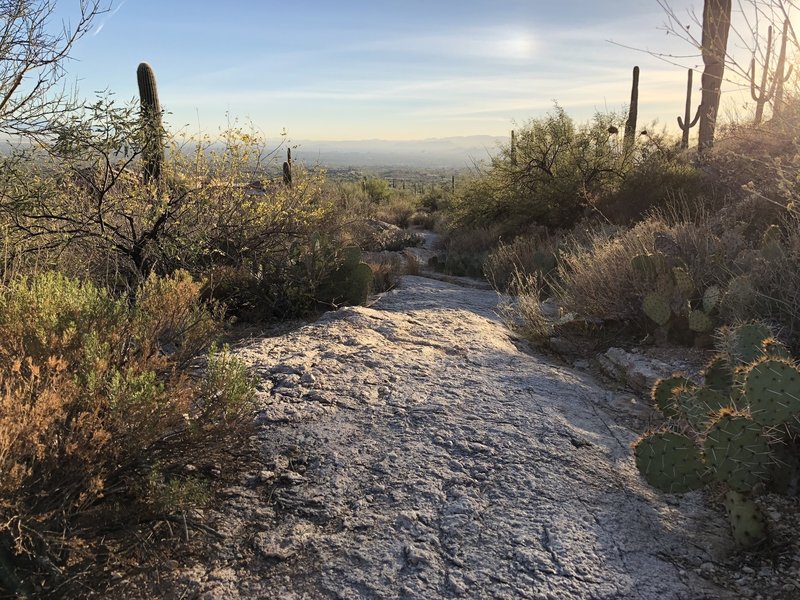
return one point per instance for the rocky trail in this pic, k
(413, 450)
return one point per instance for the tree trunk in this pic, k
(716, 25)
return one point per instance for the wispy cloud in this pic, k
(108, 17)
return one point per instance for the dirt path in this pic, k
(411, 450)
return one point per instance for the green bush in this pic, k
(655, 182)
(555, 172)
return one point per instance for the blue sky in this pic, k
(410, 69)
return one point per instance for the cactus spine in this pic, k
(687, 122)
(633, 111)
(763, 93)
(153, 148)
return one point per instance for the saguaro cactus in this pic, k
(153, 148)
(782, 74)
(287, 168)
(687, 122)
(633, 111)
(764, 92)
(513, 151)
(716, 26)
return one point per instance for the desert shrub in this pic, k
(425, 220)
(386, 273)
(467, 249)
(556, 169)
(97, 412)
(656, 180)
(81, 206)
(397, 209)
(597, 278)
(377, 190)
(534, 255)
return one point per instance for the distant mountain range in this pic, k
(434, 153)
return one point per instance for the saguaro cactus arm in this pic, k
(686, 124)
(763, 93)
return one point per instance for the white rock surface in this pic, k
(411, 450)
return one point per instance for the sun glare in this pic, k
(518, 46)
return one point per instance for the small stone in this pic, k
(308, 379)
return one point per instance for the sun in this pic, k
(519, 46)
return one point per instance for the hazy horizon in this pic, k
(357, 70)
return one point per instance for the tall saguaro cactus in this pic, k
(153, 152)
(782, 74)
(687, 122)
(513, 151)
(287, 169)
(633, 111)
(716, 26)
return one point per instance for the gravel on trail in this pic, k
(414, 449)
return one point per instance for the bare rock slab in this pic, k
(445, 462)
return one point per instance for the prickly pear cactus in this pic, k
(700, 322)
(774, 348)
(737, 452)
(711, 298)
(657, 308)
(665, 393)
(729, 429)
(649, 265)
(772, 390)
(670, 462)
(352, 256)
(748, 524)
(699, 406)
(360, 283)
(718, 375)
(683, 281)
(744, 343)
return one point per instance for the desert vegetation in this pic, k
(128, 249)
(647, 240)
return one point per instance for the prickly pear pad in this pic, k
(746, 342)
(772, 389)
(665, 394)
(711, 298)
(737, 452)
(719, 375)
(657, 308)
(698, 406)
(748, 524)
(670, 462)
(700, 322)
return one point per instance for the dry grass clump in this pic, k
(386, 273)
(522, 311)
(98, 412)
(397, 210)
(532, 254)
(596, 278)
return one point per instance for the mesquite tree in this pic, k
(34, 44)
